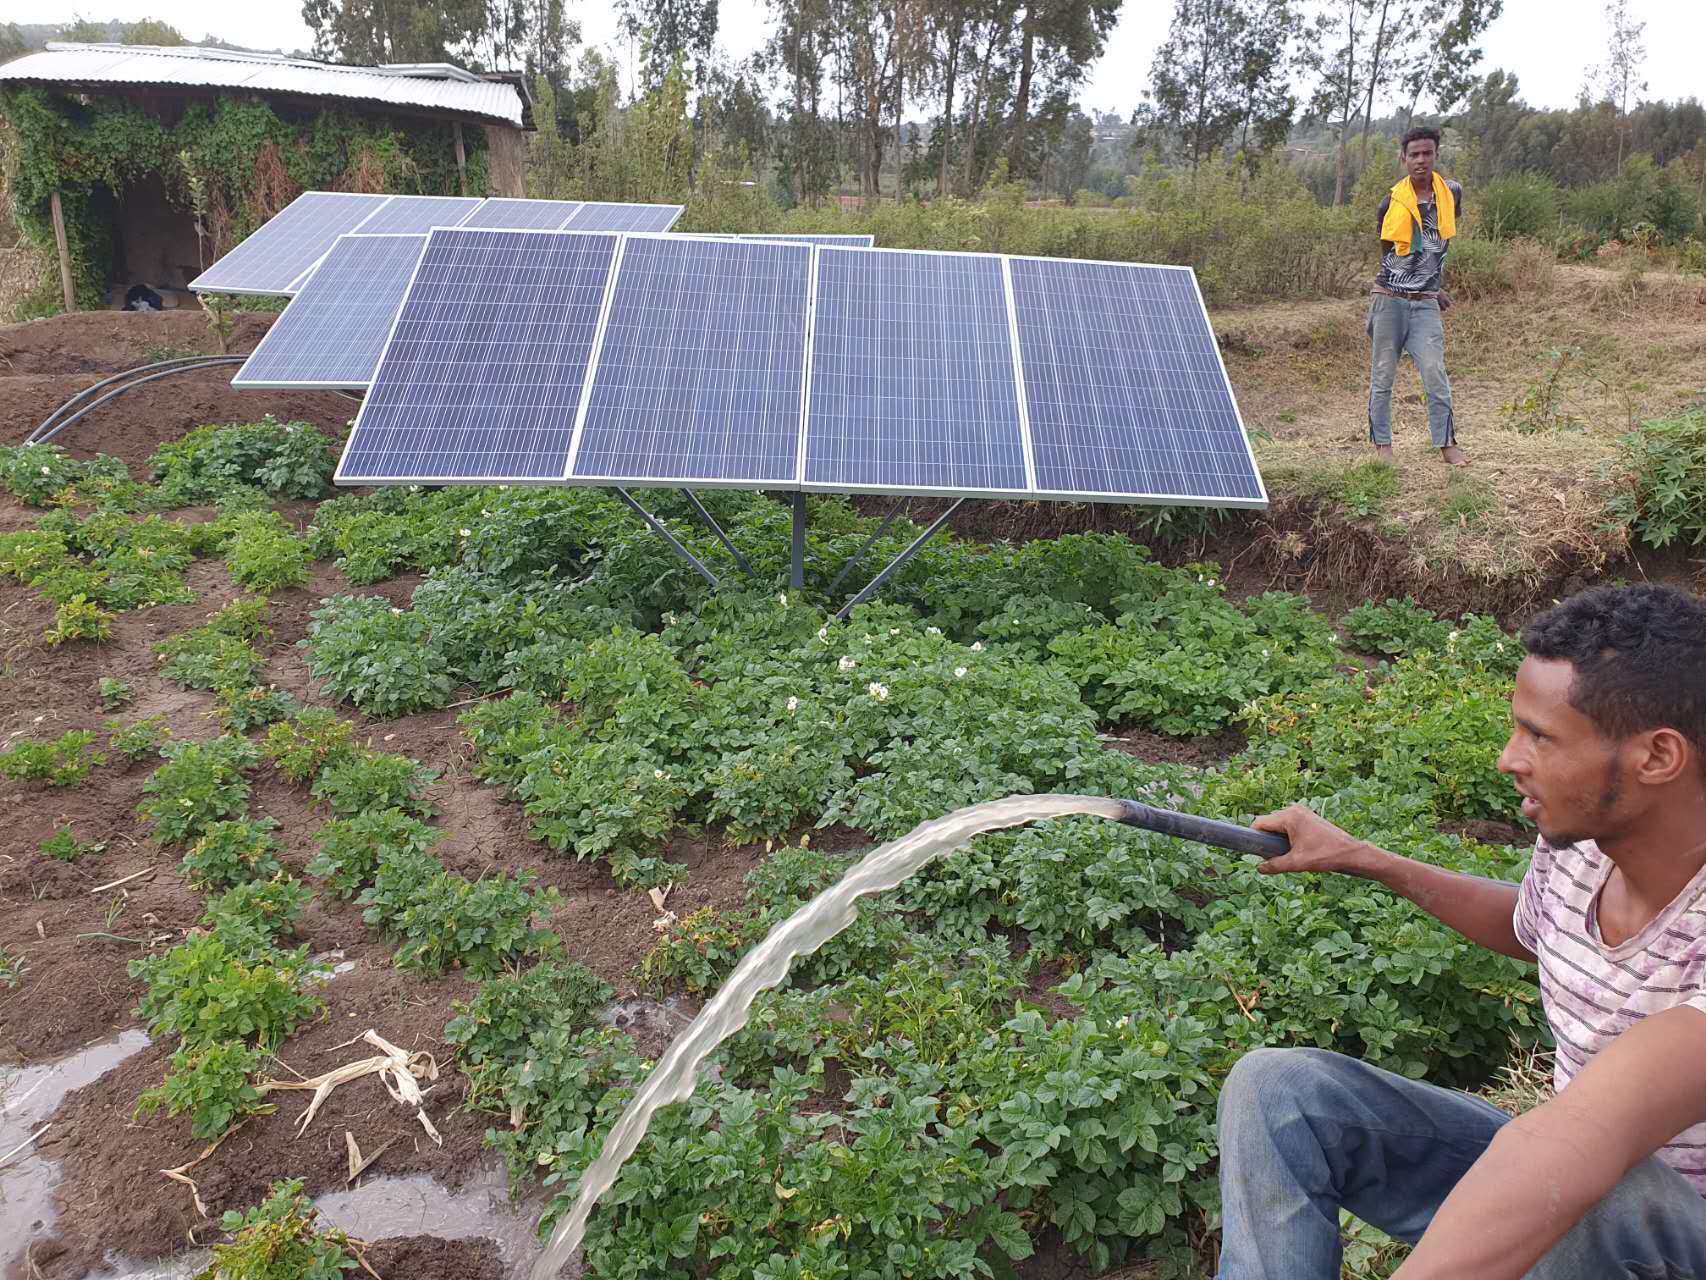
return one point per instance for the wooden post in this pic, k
(64, 253)
(461, 156)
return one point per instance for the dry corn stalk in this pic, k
(400, 1071)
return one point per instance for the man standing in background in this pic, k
(1417, 221)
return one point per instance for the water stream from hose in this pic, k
(674, 1076)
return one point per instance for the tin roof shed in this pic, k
(431, 89)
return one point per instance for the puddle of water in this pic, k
(415, 1205)
(186, 1266)
(30, 1097)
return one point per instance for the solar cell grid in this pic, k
(482, 376)
(700, 366)
(844, 241)
(332, 332)
(276, 255)
(522, 215)
(594, 216)
(1124, 387)
(912, 375)
(417, 215)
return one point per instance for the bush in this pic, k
(210, 1081)
(64, 762)
(444, 921)
(200, 784)
(376, 656)
(233, 853)
(305, 744)
(264, 555)
(352, 849)
(1662, 497)
(217, 464)
(1523, 204)
(363, 781)
(205, 990)
(277, 1240)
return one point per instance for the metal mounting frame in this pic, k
(674, 542)
(894, 566)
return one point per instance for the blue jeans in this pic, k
(1397, 325)
(1304, 1132)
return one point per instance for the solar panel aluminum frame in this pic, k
(537, 482)
(819, 486)
(289, 291)
(695, 482)
(1148, 500)
(241, 384)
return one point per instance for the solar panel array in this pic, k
(333, 331)
(272, 260)
(482, 376)
(677, 400)
(279, 257)
(631, 359)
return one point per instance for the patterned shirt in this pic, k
(1593, 992)
(1421, 270)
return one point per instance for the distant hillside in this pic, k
(36, 35)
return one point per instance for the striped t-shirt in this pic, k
(1593, 992)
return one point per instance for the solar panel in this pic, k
(417, 215)
(842, 241)
(624, 217)
(700, 367)
(522, 215)
(913, 383)
(1124, 386)
(291, 242)
(481, 378)
(332, 332)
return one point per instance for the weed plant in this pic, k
(66, 847)
(1664, 499)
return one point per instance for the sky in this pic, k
(1548, 43)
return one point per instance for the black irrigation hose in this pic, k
(1187, 826)
(41, 435)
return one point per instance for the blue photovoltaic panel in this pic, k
(624, 217)
(417, 215)
(1126, 393)
(280, 250)
(701, 365)
(913, 387)
(482, 376)
(332, 332)
(843, 241)
(522, 215)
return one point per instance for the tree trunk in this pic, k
(1345, 106)
(1375, 56)
(899, 109)
(976, 121)
(954, 39)
(1022, 102)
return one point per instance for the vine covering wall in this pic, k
(239, 160)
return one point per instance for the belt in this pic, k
(1407, 296)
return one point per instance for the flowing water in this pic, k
(802, 933)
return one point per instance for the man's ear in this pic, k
(1668, 755)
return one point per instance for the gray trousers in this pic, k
(1397, 325)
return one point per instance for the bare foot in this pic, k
(1454, 457)
(1383, 454)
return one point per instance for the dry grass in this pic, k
(23, 270)
(1544, 380)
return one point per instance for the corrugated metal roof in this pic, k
(437, 88)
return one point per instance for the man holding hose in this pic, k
(1606, 1180)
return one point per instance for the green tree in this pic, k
(12, 43)
(85, 31)
(1620, 74)
(1059, 41)
(150, 31)
(669, 30)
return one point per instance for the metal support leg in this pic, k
(870, 542)
(897, 562)
(717, 529)
(797, 574)
(669, 537)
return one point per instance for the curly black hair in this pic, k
(1421, 133)
(1639, 655)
